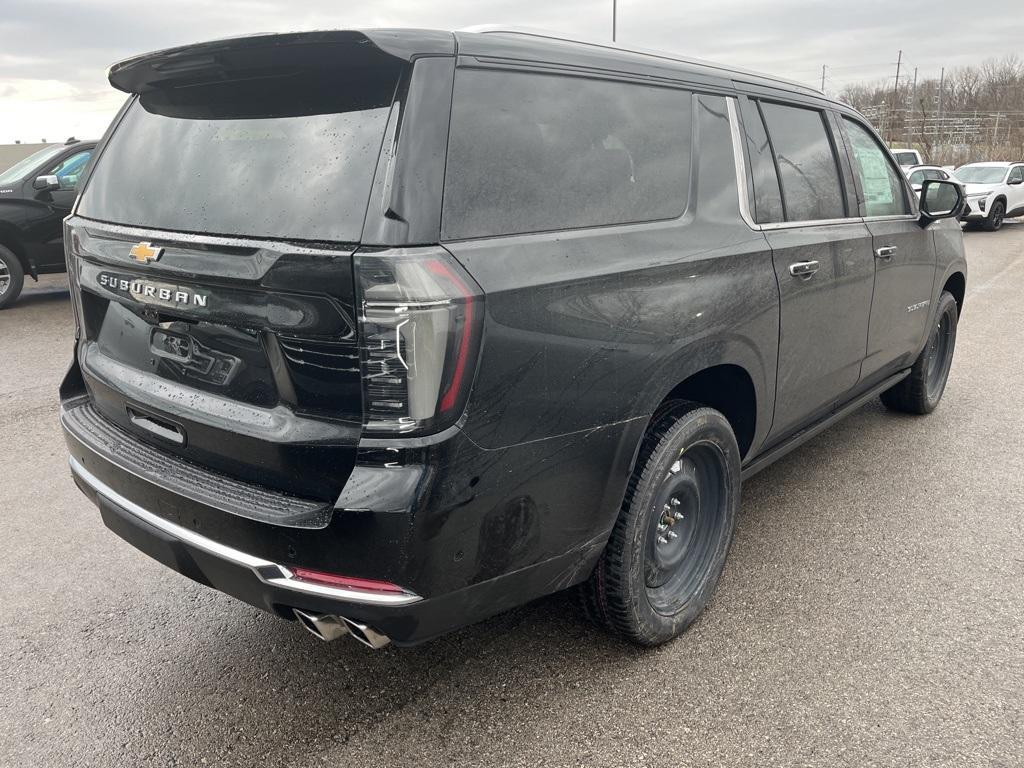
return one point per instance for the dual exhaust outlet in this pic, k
(328, 627)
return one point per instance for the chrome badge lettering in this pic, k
(919, 305)
(154, 293)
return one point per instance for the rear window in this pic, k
(906, 158)
(281, 157)
(532, 153)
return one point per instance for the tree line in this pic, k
(969, 114)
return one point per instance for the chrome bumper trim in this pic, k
(265, 570)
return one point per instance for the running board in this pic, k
(776, 453)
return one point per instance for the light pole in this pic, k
(614, 10)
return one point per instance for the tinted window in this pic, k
(69, 169)
(934, 174)
(282, 157)
(906, 158)
(1016, 174)
(767, 196)
(807, 165)
(529, 153)
(879, 180)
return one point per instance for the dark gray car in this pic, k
(390, 331)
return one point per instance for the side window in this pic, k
(1016, 175)
(917, 177)
(879, 179)
(807, 165)
(68, 170)
(536, 152)
(767, 195)
(934, 175)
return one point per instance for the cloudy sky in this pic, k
(54, 53)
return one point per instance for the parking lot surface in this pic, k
(871, 612)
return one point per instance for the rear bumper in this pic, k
(250, 559)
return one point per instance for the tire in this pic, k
(668, 547)
(12, 277)
(995, 217)
(921, 391)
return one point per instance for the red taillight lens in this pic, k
(345, 582)
(421, 316)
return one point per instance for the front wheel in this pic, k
(995, 216)
(669, 544)
(12, 277)
(921, 391)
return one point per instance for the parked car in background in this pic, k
(918, 174)
(502, 346)
(907, 157)
(994, 191)
(35, 196)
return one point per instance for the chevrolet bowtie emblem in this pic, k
(145, 253)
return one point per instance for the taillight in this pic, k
(72, 248)
(420, 320)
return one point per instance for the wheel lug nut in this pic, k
(674, 501)
(677, 515)
(672, 535)
(662, 540)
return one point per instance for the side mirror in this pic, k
(940, 199)
(1015, 182)
(46, 183)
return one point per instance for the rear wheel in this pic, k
(921, 391)
(669, 544)
(995, 216)
(12, 277)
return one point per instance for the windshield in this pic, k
(980, 174)
(17, 171)
(906, 158)
(289, 157)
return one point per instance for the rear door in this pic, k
(821, 256)
(903, 252)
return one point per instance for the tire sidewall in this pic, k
(995, 224)
(695, 426)
(17, 274)
(947, 305)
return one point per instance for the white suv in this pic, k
(994, 191)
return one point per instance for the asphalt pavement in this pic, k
(871, 612)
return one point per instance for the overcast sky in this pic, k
(54, 53)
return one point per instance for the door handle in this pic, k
(803, 269)
(885, 252)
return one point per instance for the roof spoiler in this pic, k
(266, 54)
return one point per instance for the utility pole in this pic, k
(614, 13)
(913, 100)
(895, 90)
(942, 82)
(822, 78)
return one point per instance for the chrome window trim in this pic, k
(742, 188)
(740, 162)
(266, 571)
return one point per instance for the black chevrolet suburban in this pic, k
(389, 331)
(35, 196)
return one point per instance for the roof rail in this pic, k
(498, 29)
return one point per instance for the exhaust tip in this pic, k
(366, 635)
(323, 626)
